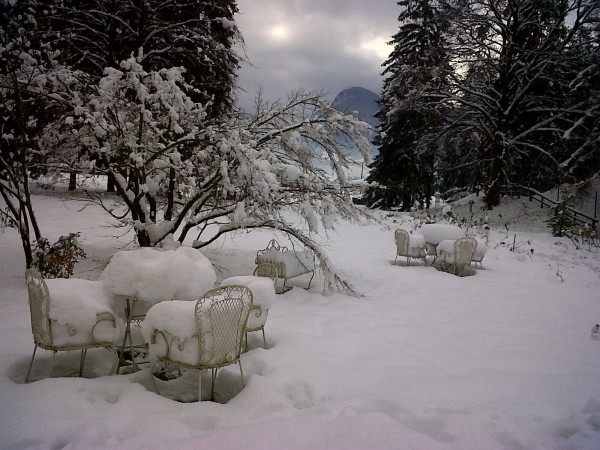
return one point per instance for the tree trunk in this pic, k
(143, 238)
(110, 183)
(24, 234)
(493, 193)
(72, 180)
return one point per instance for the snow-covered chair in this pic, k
(266, 270)
(289, 264)
(456, 256)
(409, 246)
(71, 325)
(480, 251)
(435, 233)
(206, 334)
(263, 295)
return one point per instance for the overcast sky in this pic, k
(324, 45)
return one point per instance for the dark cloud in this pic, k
(326, 45)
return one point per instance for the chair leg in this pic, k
(200, 385)
(31, 363)
(52, 364)
(212, 384)
(283, 287)
(241, 372)
(264, 338)
(82, 361)
(116, 363)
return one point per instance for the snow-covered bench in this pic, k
(289, 264)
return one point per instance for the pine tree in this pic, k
(198, 35)
(418, 66)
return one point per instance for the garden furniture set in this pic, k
(207, 333)
(451, 250)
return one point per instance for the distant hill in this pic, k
(362, 103)
(358, 99)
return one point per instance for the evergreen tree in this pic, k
(418, 66)
(198, 35)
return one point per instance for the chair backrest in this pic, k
(266, 270)
(39, 306)
(464, 249)
(401, 237)
(221, 316)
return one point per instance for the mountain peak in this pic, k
(358, 99)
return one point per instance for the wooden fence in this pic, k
(544, 201)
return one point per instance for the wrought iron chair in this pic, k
(266, 270)
(480, 251)
(220, 321)
(404, 247)
(258, 314)
(288, 263)
(44, 328)
(464, 248)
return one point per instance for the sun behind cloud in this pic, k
(375, 45)
(280, 32)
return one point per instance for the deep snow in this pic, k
(423, 359)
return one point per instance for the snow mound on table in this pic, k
(155, 275)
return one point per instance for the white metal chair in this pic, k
(267, 270)
(404, 247)
(480, 251)
(289, 264)
(460, 258)
(220, 321)
(45, 328)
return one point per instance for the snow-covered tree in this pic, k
(196, 34)
(187, 173)
(516, 98)
(415, 71)
(33, 89)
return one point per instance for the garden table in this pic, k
(435, 233)
(130, 302)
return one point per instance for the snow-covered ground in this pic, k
(422, 359)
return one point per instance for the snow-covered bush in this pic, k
(57, 260)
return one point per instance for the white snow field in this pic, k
(422, 359)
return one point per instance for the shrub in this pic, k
(562, 222)
(57, 260)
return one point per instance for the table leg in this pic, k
(129, 305)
